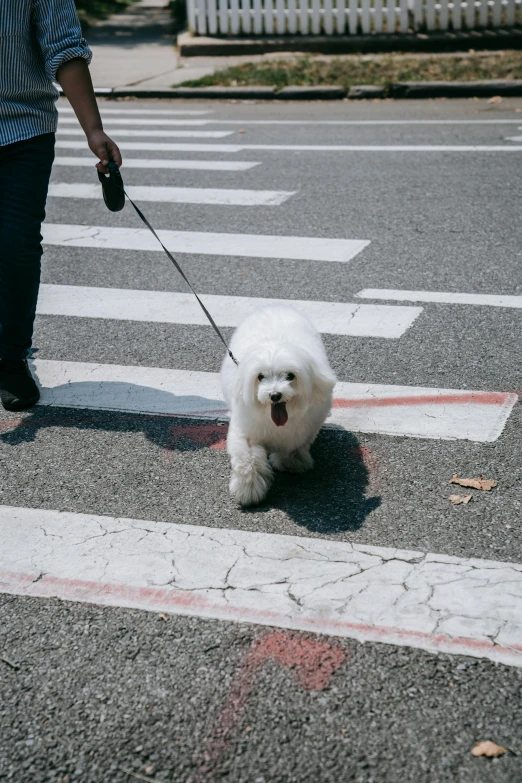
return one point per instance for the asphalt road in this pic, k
(96, 694)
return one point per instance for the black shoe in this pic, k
(18, 389)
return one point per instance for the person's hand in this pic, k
(105, 149)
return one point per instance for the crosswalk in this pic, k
(384, 609)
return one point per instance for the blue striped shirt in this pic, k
(36, 38)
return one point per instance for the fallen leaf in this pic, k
(488, 748)
(476, 483)
(495, 99)
(164, 617)
(458, 499)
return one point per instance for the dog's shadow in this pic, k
(329, 499)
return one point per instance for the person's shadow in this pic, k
(329, 499)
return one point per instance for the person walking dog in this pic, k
(40, 42)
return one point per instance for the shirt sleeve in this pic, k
(59, 34)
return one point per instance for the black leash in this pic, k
(114, 196)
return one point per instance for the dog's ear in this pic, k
(248, 388)
(323, 381)
(244, 386)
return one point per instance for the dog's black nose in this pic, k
(276, 396)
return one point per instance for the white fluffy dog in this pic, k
(279, 396)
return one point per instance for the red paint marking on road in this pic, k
(367, 456)
(477, 398)
(157, 599)
(311, 662)
(211, 435)
(6, 425)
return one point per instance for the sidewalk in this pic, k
(134, 48)
(137, 49)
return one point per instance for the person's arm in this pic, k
(75, 81)
(66, 57)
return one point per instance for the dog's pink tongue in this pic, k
(279, 414)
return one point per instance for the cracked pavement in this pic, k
(435, 602)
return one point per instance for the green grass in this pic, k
(91, 10)
(381, 70)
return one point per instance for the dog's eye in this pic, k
(260, 377)
(290, 376)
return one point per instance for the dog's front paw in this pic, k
(251, 477)
(250, 488)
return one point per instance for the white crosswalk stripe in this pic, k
(440, 297)
(230, 148)
(128, 111)
(180, 134)
(135, 121)
(155, 146)
(447, 414)
(65, 111)
(361, 592)
(204, 243)
(172, 195)
(182, 308)
(164, 163)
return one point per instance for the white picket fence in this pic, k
(347, 17)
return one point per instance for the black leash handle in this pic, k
(115, 197)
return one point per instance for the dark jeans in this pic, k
(25, 168)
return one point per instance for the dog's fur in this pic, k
(275, 342)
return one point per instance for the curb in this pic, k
(406, 90)
(311, 93)
(478, 89)
(366, 91)
(208, 46)
(225, 93)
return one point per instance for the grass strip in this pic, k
(350, 70)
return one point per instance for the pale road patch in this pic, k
(180, 134)
(171, 195)
(447, 414)
(120, 110)
(357, 320)
(204, 243)
(139, 121)
(164, 163)
(130, 112)
(428, 601)
(381, 148)
(439, 297)
(231, 148)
